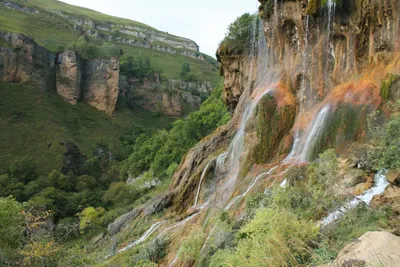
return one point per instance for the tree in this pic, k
(90, 217)
(11, 230)
(239, 34)
(185, 70)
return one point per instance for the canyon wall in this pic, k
(96, 82)
(316, 75)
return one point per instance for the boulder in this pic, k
(390, 197)
(393, 177)
(121, 221)
(157, 204)
(371, 249)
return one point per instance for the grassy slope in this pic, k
(31, 118)
(50, 29)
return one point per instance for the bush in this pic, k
(137, 67)
(11, 231)
(273, 238)
(90, 217)
(121, 193)
(153, 252)
(386, 139)
(191, 246)
(239, 34)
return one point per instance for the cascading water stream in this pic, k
(203, 174)
(380, 185)
(143, 238)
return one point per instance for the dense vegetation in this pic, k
(81, 197)
(240, 34)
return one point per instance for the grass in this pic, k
(31, 119)
(49, 30)
(171, 63)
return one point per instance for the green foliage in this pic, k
(11, 230)
(60, 48)
(137, 67)
(386, 85)
(312, 197)
(191, 246)
(151, 253)
(162, 151)
(185, 73)
(275, 237)
(121, 193)
(90, 217)
(386, 139)
(239, 34)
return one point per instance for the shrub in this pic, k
(90, 217)
(153, 252)
(11, 230)
(191, 246)
(239, 34)
(273, 238)
(121, 193)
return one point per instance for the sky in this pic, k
(204, 21)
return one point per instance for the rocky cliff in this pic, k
(96, 81)
(23, 61)
(317, 73)
(115, 30)
(170, 97)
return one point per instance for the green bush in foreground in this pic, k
(275, 237)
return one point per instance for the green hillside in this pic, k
(31, 119)
(49, 28)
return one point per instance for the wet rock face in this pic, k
(101, 88)
(23, 61)
(70, 73)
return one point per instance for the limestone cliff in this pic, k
(115, 30)
(70, 74)
(96, 81)
(169, 97)
(23, 61)
(101, 88)
(308, 69)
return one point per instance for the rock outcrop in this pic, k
(71, 68)
(101, 88)
(371, 249)
(95, 80)
(24, 61)
(130, 33)
(164, 97)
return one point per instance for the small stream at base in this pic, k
(380, 184)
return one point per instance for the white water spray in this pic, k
(143, 238)
(203, 174)
(380, 185)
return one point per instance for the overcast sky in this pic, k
(203, 21)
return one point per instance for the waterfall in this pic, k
(203, 174)
(143, 238)
(302, 95)
(331, 15)
(314, 133)
(236, 148)
(379, 187)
